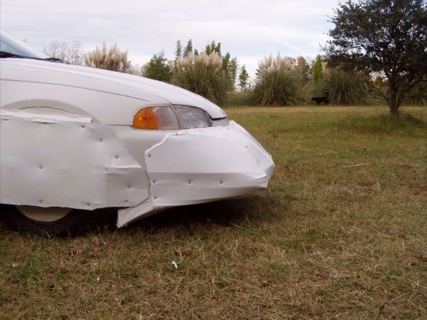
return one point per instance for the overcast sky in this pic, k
(248, 29)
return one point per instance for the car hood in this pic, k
(151, 92)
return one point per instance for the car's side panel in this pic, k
(103, 107)
(66, 160)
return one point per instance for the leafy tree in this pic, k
(317, 78)
(229, 67)
(303, 68)
(71, 52)
(213, 47)
(317, 69)
(178, 50)
(243, 78)
(111, 59)
(158, 68)
(385, 38)
(188, 48)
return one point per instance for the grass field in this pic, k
(341, 233)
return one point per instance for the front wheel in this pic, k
(49, 221)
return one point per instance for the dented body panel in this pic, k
(208, 165)
(52, 160)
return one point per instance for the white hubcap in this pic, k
(43, 214)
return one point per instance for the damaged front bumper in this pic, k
(201, 165)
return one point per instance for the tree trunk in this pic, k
(394, 104)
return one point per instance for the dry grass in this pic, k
(339, 234)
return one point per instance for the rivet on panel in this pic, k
(221, 182)
(149, 155)
(40, 167)
(117, 156)
(126, 201)
(155, 197)
(189, 181)
(154, 181)
(88, 204)
(106, 169)
(128, 186)
(83, 126)
(101, 140)
(41, 201)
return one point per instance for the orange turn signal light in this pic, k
(145, 119)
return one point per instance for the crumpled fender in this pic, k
(202, 165)
(66, 160)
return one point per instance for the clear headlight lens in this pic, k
(171, 118)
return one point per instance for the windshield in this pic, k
(11, 44)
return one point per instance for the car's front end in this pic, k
(84, 138)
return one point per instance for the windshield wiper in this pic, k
(5, 54)
(54, 60)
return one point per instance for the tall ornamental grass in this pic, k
(202, 74)
(277, 82)
(111, 58)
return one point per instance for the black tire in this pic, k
(71, 223)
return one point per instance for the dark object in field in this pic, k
(321, 100)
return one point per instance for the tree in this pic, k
(317, 69)
(111, 59)
(213, 47)
(178, 50)
(229, 67)
(303, 68)
(188, 48)
(243, 78)
(158, 68)
(70, 52)
(385, 38)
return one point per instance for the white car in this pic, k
(75, 139)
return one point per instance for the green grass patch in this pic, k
(339, 234)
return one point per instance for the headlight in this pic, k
(171, 118)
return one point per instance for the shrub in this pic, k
(346, 88)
